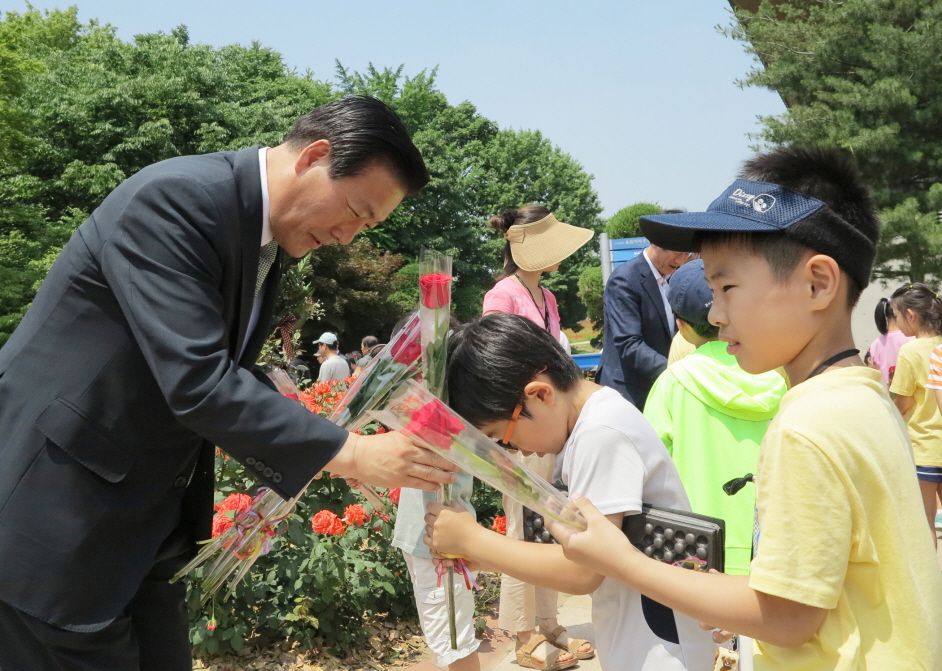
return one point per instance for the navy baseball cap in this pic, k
(690, 296)
(749, 206)
(746, 205)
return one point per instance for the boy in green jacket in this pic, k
(712, 415)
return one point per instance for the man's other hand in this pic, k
(391, 460)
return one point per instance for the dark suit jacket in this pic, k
(637, 336)
(107, 452)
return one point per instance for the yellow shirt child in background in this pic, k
(919, 313)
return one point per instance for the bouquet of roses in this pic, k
(236, 549)
(399, 360)
(418, 414)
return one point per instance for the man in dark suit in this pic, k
(638, 322)
(155, 312)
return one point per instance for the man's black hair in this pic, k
(369, 342)
(493, 358)
(362, 131)
(830, 176)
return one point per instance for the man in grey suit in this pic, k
(155, 312)
(638, 322)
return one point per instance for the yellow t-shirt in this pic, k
(843, 528)
(923, 419)
(679, 349)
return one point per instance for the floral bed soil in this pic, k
(400, 644)
(392, 645)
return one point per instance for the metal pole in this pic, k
(605, 251)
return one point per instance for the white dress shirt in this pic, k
(266, 238)
(664, 289)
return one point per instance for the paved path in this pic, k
(497, 653)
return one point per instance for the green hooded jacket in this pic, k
(712, 415)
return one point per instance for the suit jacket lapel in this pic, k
(649, 282)
(264, 326)
(248, 181)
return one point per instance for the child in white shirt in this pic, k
(607, 451)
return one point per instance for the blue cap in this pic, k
(690, 296)
(746, 205)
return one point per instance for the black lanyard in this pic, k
(833, 360)
(546, 320)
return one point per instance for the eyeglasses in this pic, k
(505, 441)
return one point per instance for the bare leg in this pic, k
(929, 492)
(469, 663)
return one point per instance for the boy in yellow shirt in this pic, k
(844, 576)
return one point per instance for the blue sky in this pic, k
(642, 94)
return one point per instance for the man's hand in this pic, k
(602, 547)
(450, 529)
(391, 460)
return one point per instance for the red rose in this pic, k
(221, 524)
(355, 514)
(435, 424)
(436, 290)
(327, 522)
(406, 350)
(211, 625)
(239, 502)
(500, 525)
(394, 495)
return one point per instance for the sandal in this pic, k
(574, 644)
(525, 657)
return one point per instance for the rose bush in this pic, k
(331, 571)
(312, 586)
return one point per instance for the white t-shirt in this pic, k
(615, 459)
(334, 368)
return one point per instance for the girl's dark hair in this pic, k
(508, 218)
(923, 301)
(493, 358)
(883, 315)
(362, 131)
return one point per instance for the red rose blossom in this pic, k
(221, 524)
(394, 495)
(500, 525)
(327, 522)
(406, 351)
(355, 514)
(435, 424)
(240, 502)
(435, 290)
(211, 625)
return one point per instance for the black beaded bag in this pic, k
(672, 536)
(664, 534)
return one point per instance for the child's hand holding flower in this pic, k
(451, 529)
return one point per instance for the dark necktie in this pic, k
(265, 260)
